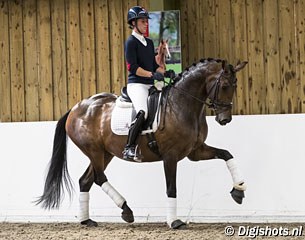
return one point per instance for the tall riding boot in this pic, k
(130, 152)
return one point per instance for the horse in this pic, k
(163, 53)
(208, 82)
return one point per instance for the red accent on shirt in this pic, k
(128, 66)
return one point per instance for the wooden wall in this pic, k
(269, 34)
(53, 53)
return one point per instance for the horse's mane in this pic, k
(204, 62)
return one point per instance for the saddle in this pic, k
(124, 113)
(152, 104)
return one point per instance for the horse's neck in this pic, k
(160, 59)
(161, 55)
(193, 83)
(189, 94)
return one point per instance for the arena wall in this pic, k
(55, 53)
(269, 149)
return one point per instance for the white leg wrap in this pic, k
(236, 175)
(171, 210)
(113, 194)
(83, 206)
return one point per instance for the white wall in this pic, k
(269, 149)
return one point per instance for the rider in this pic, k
(143, 70)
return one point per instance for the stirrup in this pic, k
(138, 157)
(132, 154)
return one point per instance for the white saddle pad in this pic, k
(121, 118)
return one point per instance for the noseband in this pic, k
(213, 101)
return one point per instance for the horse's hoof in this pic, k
(127, 214)
(128, 217)
(89, 223)
(237, 195)
(178, 224)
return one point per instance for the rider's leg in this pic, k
(138, 94)
(130, 152)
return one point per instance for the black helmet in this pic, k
(136, 13)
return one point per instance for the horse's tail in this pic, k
(58, 171)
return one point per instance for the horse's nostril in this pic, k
(224, 121)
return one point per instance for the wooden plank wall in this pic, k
(53, 53)
(270, 34)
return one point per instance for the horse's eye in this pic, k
(225, 86)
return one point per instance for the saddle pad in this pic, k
(121, 118)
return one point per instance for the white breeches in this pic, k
(138, 94)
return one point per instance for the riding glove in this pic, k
(157, 76)
(170, 74)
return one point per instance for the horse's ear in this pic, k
(162, 41)
(240, 65)
(223, 63)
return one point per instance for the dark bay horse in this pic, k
(88, 126)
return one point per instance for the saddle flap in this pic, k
(123, 113)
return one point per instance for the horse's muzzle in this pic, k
(223, 118)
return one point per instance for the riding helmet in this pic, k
(136, 12)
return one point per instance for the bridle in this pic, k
(213, 102)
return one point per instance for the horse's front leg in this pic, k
(205, 152)
(170, 170)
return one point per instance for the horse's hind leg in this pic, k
(85, 183)
(205, 152)
(95, 174)
(118, 199)
(98, 161)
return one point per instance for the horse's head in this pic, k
(221, 88)
(163, 49)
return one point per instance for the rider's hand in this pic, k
(157, 76)
(170, 74)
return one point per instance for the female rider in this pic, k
(143, 70)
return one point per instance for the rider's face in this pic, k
(142, 25)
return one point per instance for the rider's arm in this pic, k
(143, 73)
(131, 60)
(131, 57)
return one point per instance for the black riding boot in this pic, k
(130, 152)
